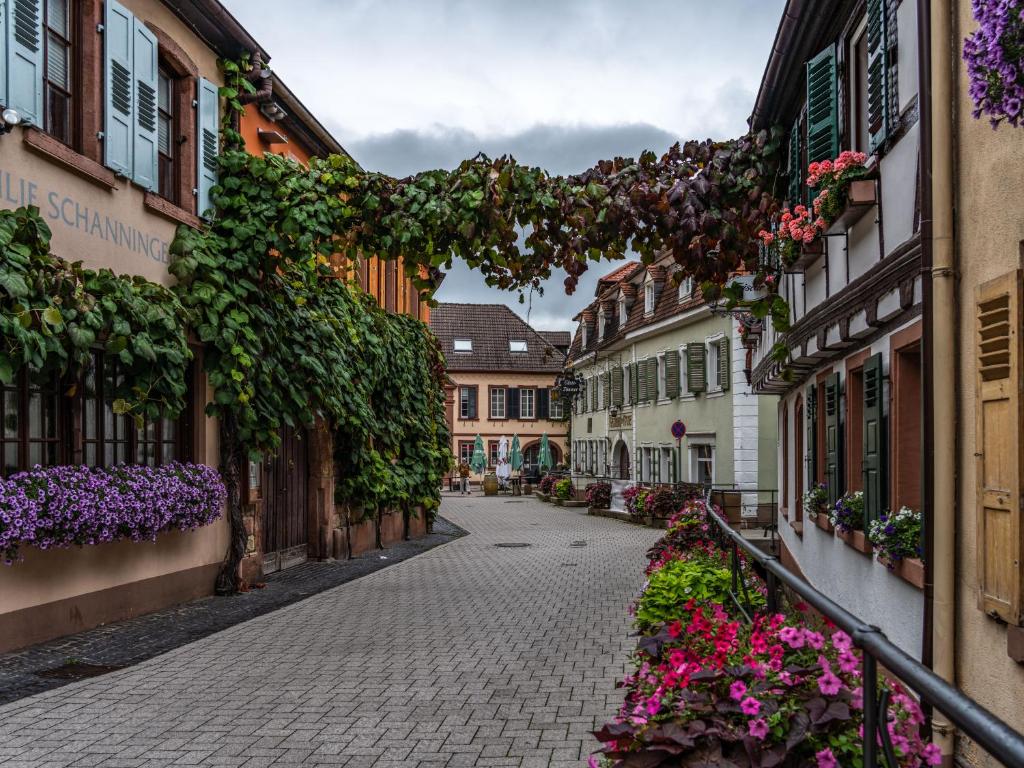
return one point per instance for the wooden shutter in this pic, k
(672, 373)
(822, 107)
(874, 437)
(634, 382)
(146, 73)
(119, 106)
(617, 386)
(833, 469)
(811, 444)
(723, 363)
(998, 435)
(472, 403)
(513, 403)
(796, 169)
(207, 143)
(595, 402)
(607, 385)
(543, 403)
(696, 368)
(24, 59)
(878, 74)
(641, 371)
(638, 470)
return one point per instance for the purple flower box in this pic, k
(63, 506)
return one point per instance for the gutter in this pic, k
(775, 72)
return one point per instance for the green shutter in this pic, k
(672, 373)
(607, 384)
(812, 435)
(543, 396)
(638, 471)
(696, 368)
(595, 403)
(144, 139)
(878, 74)
(833, 443)
(119, 105)
(617, 386)
(23, 44)
(207, 143)
(652, 378)
(796, 169)
(822, 107)
(641, 369)
(512, 404)
(874, 448)
(634, 382)
(723, 363)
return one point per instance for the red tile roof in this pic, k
(491, 327)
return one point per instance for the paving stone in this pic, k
(468, 654)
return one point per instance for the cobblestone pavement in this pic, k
(470, 654)
(123, 643)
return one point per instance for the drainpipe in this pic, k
(941, 315)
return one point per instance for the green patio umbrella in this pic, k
(544, 457)
(516, 455)
(479, 461)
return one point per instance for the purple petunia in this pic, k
(63, 506)
(993, 55)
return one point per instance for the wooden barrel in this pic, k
(490, 485)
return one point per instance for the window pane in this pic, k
(10, 459)
(164, 93)
(163, 135)
(11, 414)
(57, 17)
(57, 71)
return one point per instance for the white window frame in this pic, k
(684, 379)
(666, 464)
(685, 288)
(648, 298)
(623, 312)
(627, 386)
(527, 395)
(712, 362)
(661, 382)
(600, 324)
(517, 345)
(465, 344)
(504, 403)
(696, 460)
(464, 403)
(583, 334)
(555, 411)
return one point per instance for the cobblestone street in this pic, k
(470, 654)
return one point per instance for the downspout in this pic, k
(940, 343)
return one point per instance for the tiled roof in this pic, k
(622, 272)
(666, 305)
(491, 327)
(560, 339)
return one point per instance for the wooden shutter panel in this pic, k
(607, 389)
(672, 373)
(833, 470)
(119, 106)
(822, 107)
(638, 469)
(207, 143)
(24, 59)
(617, 386)
(641, 373)
(998, 434)
(595, 403)
(634, 382)
(696, 368)
(796, 170)
(724, 363)
(513, 403)
(811, 443)
(878, 74)
(874, 437)
(146, 73)
(543, 403)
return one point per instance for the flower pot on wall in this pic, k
(809, 253)
(821, 520)
(910, 569)
(856, 539)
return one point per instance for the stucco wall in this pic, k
(990, 228)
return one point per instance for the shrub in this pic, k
(546, 484)
(635, 498)
(678, 582)
(564, 489)
(848, 513)
(599, 495)
(896, 536)
(61, 506)
(663, 502)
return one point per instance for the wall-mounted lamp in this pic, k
(11, 118)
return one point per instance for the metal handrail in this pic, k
(992, 734)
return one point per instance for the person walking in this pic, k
(464, 471)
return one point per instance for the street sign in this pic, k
(678, 430)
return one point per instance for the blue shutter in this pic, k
(206, 156)
(24, 59)
(146, 72)
(119, 102)
(878, 74)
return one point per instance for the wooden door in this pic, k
(285, 513)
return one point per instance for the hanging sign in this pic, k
(679, 430)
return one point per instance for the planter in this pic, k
(542, 496)
(809, 253)
(860, 198)
(490, 485)
(574, 503)
(559, 502)
(910, 569)
(598, 511)
(527, 489)
(658, 522)
(856, 539)
(821, 520)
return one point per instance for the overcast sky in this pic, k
(411, 85)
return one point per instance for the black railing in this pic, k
(989, 732)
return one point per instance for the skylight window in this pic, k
(463, 345)
(516, 345)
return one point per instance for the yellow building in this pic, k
(502, 374)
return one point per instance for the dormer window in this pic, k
(517, 345)
(583, 334)
(463, 345)
(648, 298)
(623, 312)
(600, 325)
(685, 288)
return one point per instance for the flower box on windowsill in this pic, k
(809, 253)
(856, 539)
(910, 569)
(821, 520)
(861, 197)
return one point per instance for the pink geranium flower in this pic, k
(750, 706)
(829, 684)
(826, 759)
(737, 690)
(758, 728)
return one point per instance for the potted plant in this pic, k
(847, 517)
(797, 239)
(599, 496)
(660, 504)
(994, 55)
(816, 506)
(897, 539)
(844, 192)
(544, 487)
(564, 491)
(635, 496)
